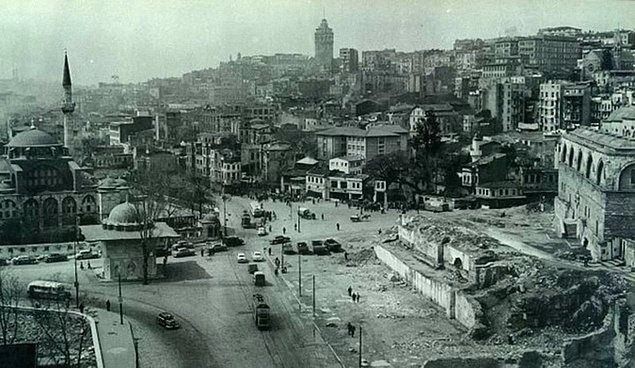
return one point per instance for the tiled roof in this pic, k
(627, 112)
(602, 138)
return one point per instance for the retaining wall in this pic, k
(455, 303)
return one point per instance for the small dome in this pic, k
(119, 182)
(124, 213)
(33, 138)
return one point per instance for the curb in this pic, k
(99, 358)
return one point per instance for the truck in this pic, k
(261, 312)
(256, 209)
(246, 222)
(319, 248)
(306, 213)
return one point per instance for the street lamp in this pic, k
(120, 297)
(76, 284)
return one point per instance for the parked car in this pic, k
(257, 257)
(218, 247)
(55, 257)
(241, 258)
(252, 267)
(167, 321)
(306, 214)
(280, 240)
(184, 252)
(333, 245)
(20, 260)
(262, 231)
(86, 254)
(259, 278)
(318, 247)
(3, 262)
(287, 248)
(233, 241)
(303, 248)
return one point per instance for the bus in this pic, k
(47, 290)
(261, 312)
(256, 209)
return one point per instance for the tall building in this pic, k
(350, 60)
(324, 45)
(68, 106)
(564, 105)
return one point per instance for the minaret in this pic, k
(68, 106)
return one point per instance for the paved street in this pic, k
(211, 297)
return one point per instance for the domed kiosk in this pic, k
(121, 237)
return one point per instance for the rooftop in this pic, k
(595, 137)
(33, 138)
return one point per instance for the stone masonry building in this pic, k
(596, 188)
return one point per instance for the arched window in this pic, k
(627, 178)
(31, 209)
(88, 204)
(589, 165)
(571, 157)
(50, 212)
(578, 161)
(69, 206)
(8, 207)
(563, 154)
(599, 173)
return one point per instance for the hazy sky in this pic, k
(141, 39)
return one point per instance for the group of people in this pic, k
(354, 296)
(81, 265)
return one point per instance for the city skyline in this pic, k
(147, 40)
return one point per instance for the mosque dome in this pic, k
(124, 213)
(33, 138)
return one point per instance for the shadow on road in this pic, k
(183, 271)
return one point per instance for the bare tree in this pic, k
(63, 335)
(9, 300)
(148, 208)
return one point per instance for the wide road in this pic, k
(211, 296)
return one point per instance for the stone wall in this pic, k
(455, 302)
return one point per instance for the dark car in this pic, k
(333, 245)
(184, 252)
(218, 247)
(21, 260)
(287, 248)
(303, 248)
(233, 241)
(319, 248)
(56, 257)
(167, 321)
(3, 262)
(280, 240)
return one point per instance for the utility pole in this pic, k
(360, 346)
(299, 222)
(299, 275)
(313, 296)
(76, 284)
(120, 299)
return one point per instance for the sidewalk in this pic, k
(116, 340)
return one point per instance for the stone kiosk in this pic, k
(120, 240)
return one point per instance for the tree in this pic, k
(63, 333)
(11, 231)
(147, 209)
(10, 293)
(391, 168)
(427, 145)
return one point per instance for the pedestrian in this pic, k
(322, 217)
(353, 297)
(81, 265)
(108, 305)
(349, 204)
(379, 231)
(269, 250)
(284, 230)
(81, 308)
(295, 227)
(337, 226)
(346, 259)
(275, 271)
(335, 203)
(202, 252)
(352, 331)
(269, 228)
(349, 328)
(357, 298)
(277, 262)
(350, 290)
(89, 267)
